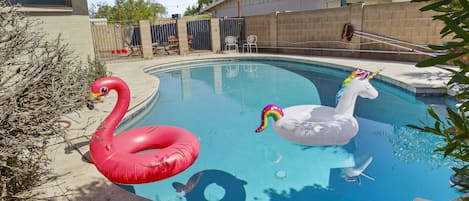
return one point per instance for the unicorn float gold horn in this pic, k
(374, 74)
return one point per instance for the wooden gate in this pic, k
(114, 40)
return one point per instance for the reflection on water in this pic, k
(212, 185)
(232, 70)
(218, 79)
(352, 174)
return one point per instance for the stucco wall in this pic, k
(70, 20)
(74, 29)
(80, 7)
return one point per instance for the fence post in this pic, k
(182, 36)
(215, 34)
(356, 19)
(145, 36)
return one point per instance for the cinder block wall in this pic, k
(260, 25)
(312, 26)
(402, 21)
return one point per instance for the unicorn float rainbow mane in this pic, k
(318, 124)
(362, 74)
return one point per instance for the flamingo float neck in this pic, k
(108, 126)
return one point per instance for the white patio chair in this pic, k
(231, 41)
(251, 41)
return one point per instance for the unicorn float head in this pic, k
(356, 84)
(322, 125)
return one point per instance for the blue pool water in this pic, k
(220, 102)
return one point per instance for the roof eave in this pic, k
(216, 3)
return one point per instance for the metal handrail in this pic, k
(377, 39)
(395, 45)
(344, 50)
(393, 40)
(315, 41)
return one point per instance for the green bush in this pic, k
(455, 128)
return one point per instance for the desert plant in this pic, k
(455, 128)
(97, 69)
(40, 81)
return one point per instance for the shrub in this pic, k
(455, 128)
(40, 81)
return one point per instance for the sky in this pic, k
(172, 6)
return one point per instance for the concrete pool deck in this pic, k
(79, 180)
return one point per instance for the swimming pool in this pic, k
(220, 102)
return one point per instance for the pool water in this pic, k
(221, 103)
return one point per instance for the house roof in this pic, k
(46, 9)
(213, 4)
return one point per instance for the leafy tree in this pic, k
(129, 10)
(204, 2)
(455, 128)
(192, 10)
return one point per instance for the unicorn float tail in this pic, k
(270, 110)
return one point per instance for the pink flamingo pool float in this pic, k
(169, 150)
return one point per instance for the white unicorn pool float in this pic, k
(320, 125)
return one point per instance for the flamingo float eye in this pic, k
(103, 90)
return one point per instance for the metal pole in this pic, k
(240, 39)
(393, 40)
(239, 8)
(406, 48)
(345, 50)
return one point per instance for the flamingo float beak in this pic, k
(96, 96)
